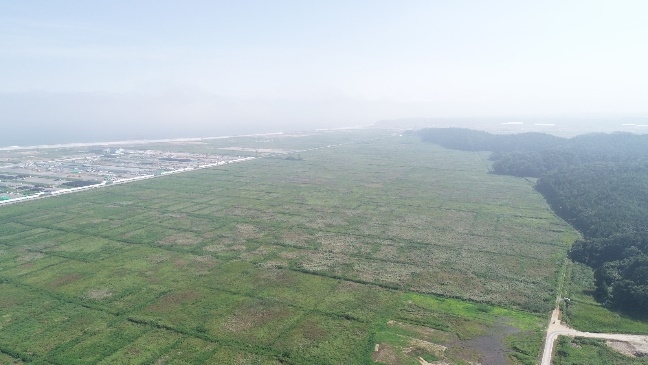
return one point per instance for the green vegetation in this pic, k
(524, 346)
(598, 183)
(79, 183)
(587, 314)
(609, 204)
(472, 140)
(576, 351)
(376, 250)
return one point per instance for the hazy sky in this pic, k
(139, 62)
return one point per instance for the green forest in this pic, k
(596, 182)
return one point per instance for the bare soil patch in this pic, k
(628, 348)
(417, 344)
(385, 354)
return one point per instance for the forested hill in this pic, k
(597, 182)
(472, 140)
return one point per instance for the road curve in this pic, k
(556, 328)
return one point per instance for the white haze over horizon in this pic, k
(149, 68)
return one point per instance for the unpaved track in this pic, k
(556, 328)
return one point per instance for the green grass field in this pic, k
(376, 250)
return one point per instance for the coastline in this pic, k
(131, 142)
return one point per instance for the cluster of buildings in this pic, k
(28, 174)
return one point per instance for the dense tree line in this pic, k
(471, 140)
(79, 183)
(598, 183)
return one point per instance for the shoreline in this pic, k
(130, 142)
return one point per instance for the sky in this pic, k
(142, 67)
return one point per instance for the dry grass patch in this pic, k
(206, 259)
(247, 231)
(63, 280)
(388, 252)
(296, 238)
(336, 243)
(244, 212)
(98, 294)
(158, 258)
(179, 263)
(30, 256)
(39, 246)
(290, 255)
(222, 245)
(258, 254)
(174, 300)
(252, 316)
(202, 265)
(175, 215)
(326, 221)
(278, 277)
(181, 239)
(424, 333)
(270, 265)
(121, 204)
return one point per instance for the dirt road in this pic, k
(556, 328)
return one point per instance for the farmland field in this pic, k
(381, 249)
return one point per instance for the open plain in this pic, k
(363, 247)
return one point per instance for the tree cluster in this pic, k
(472, 140)
(598, 183)
(79, 183)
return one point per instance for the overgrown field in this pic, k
(373, 250)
